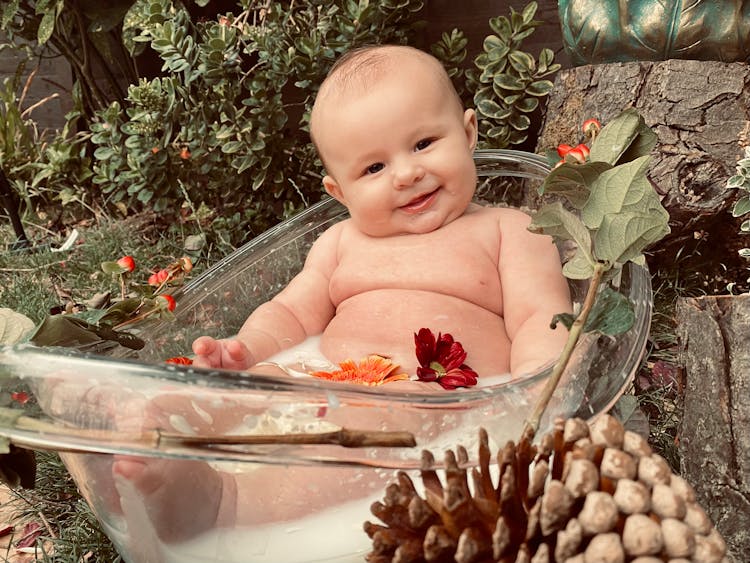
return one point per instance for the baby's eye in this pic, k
(423, 144)
(374, 168)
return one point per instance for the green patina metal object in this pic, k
(604, 31)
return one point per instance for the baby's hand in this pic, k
(227, 354)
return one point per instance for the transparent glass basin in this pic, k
(296, 501)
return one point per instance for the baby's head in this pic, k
(395, 140)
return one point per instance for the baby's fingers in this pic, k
(235, 355)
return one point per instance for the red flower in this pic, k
(20, 397)
(166, 301)
(442, 360)
(180, 360)
(127, 263)
(185, 154)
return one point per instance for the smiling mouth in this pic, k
(421, 203)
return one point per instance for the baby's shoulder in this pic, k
(506, 217)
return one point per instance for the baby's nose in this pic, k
(407, 174)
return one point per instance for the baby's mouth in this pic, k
(421, 203)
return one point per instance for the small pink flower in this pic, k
(442, 359)
(127, 263)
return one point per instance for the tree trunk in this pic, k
(715, 431)
(699, 110)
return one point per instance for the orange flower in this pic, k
(180, 360)
(373, 370)
(185, 153)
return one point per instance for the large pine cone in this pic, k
(585, 495)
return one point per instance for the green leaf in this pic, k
(578, 268)
(617, 189)
(554, 220)
(69, 331)
(522, 61)
(625, 138)
(527, 105)
(528, 12)
(623, 236)
(539, 88)
(519, 122)
(8, 13)
(113, 268)
(736, 181)
(612, 314)
(489, 107)
(741, 207)
(46, 26)
(573, 181)
(508, 82)
(13, 326)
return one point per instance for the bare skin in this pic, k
(416, 253)
(397, 148)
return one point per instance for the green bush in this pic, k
(225, 125)
(222, 131)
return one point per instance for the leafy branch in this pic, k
(617, 215)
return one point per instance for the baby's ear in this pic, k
(471, 128)
(333, 189)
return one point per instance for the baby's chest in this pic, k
(460, 269)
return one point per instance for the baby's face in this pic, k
(399, 153)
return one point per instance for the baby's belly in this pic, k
(384, 322)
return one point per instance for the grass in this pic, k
(72, 533)
(34, 281)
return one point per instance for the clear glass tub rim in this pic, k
(21, 358)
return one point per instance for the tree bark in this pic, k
(715, 430)
(698, 109)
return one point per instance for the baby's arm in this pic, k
(303, 308)
(534, 290)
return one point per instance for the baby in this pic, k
(416, 252)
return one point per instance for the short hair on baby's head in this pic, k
(358, 68)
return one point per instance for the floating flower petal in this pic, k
(373, 370)
(180, 360)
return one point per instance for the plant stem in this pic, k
(532, 422)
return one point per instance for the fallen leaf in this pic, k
(31, 532)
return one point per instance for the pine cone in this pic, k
(585, 494)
